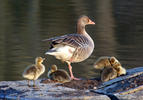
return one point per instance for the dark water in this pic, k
(24, 23)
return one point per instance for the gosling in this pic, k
(108, 73)
(58, 75)
(103, 62)
(33, 71)
(111, 68)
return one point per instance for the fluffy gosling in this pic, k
(111, 68)
(33, 71)
(58, 75)
(103, 62)
(108, 73)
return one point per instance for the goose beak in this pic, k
(91, 22)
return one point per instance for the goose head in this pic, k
(82, 22)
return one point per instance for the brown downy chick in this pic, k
(117, 66)
(109, 63)
(108, 73)
(103, 62)
(58, 75)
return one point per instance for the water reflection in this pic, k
(118, 32)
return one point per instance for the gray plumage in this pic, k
(73, 47)
(82, 44)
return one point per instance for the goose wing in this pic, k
(73, 40)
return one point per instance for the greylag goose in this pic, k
(33, 71)
(58, 75)
(72, 48)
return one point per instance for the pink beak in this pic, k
(91, 22)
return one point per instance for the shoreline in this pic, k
(55, 91)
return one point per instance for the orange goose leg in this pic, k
(71, 73)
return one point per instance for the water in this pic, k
(24, 23)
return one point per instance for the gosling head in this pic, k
(39, 59)
(114, 61)
(52, 69)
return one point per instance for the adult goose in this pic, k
(72, 48)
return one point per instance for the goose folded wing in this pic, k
(73, 40)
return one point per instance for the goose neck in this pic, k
(81, 28)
